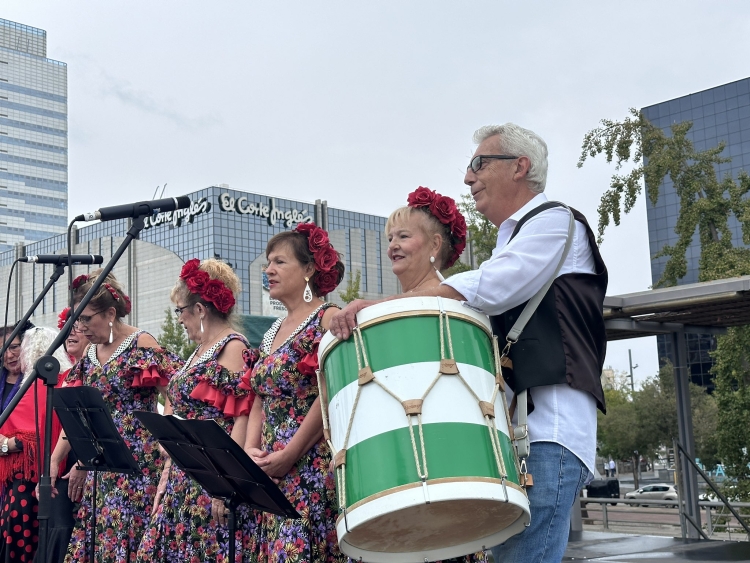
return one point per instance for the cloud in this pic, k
(144, 102)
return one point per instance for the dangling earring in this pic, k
(110, 332)
(439, 275)
(307, 295)
(201, 324)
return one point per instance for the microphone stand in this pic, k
(48, 368)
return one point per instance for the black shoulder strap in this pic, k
(536, 211)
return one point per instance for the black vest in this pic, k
(564, 341)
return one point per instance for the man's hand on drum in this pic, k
(344, 321)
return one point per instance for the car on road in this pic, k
(657, 491)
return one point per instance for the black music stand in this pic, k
(94, 438)
(211, 457)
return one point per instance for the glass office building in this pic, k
(718, 114)
(221, 222)
(33, 137)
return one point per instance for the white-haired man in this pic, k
(560, 353)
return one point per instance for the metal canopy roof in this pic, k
(705, 308)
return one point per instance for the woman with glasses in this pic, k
(18, 503)
(63, 509)
(130, 369)
(206, 388)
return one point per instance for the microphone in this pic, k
(63, 259)
(139, 209)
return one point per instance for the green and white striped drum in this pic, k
(415, 412)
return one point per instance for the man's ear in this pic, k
(523, 165)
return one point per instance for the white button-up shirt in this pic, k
(516, 271)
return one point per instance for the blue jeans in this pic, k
(558, 478)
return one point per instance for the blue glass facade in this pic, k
(718, 114)
(33, 137)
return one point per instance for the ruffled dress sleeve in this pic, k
(221, 388)
(75, 376)
(151, 367)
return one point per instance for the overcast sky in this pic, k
(359, 103)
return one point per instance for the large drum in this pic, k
(414, 409)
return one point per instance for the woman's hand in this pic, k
(161, 489)
(258, 456)
(219, 511)
(278, 464)
(76, 480)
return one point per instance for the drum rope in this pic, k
(489, 420)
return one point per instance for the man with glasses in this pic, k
(560, 353)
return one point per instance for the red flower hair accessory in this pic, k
(324, 255)
(210, 290)
(116, 296)
(62, 318)
(446, 211)
(80, 280)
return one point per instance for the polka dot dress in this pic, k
(18, 521)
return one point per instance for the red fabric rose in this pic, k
(458, 249)
(225, 300)
(212, 290)
(305, 228)
(80, 280)
(63, 318)
(459, 226)
(190, 268)
(326, 259)
(317, 240)
(196, 282)
(421, 197)
(444, 208)
(327, 281)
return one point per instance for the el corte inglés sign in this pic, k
(269, 212)
(179, 216)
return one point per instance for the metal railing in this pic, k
(680, 455)
(717, 520)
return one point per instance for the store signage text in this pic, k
(179, 216)
(269, 212)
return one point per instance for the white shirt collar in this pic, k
(535, 202)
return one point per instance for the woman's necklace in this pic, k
(213, 338)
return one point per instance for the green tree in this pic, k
(173, 336)
(481, 234)
(352, 288)
(706, 202)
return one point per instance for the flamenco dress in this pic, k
(285, 380)
(128, 382)
(183, 531)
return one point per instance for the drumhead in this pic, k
(407, 307)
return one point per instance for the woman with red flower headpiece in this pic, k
(206, 388)
(130, 370)
(424, 237)
(285, 431)
(63, 509)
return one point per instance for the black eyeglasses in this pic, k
(477, 162)
(178, 310)
(86, 319)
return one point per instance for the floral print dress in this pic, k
(128, 383)
(182, 530)
(285, 381)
